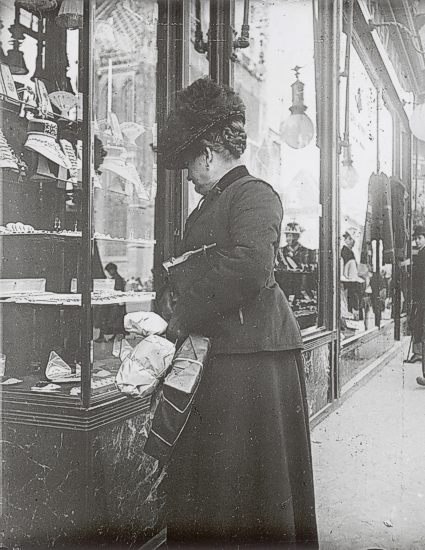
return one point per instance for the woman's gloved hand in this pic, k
(176, 331)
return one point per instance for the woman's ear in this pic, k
(208, 156)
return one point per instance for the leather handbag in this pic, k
(178, 391)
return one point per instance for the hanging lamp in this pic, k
(348, 175)
(70, 14)
(15, 57)
(417, 121)
(297, 130)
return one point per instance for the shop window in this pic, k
(367, 245)
(40, 193)
(282, 146)
(197, 20)
(124, 173)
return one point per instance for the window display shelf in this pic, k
(100, 386)
(40, 232)
(73, 234)
(140, 242)
(98, 298)
(6, 102)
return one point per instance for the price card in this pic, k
(8, 84)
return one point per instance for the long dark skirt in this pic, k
(241, 474)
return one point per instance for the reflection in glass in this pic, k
(198, 66)
(297, 130)
(365, 252)
(263, 75)
(124, 186)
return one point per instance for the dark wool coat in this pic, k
(418, 278)
(236, 299)
(378, 223)
(418, 296)
(399, 214)
(240, 474)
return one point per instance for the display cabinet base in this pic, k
(73, 488)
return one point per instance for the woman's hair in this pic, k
(111, 267)
(206, 114)
(230, 141)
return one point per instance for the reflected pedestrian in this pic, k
(418, 298)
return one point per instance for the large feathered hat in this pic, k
(202, 107)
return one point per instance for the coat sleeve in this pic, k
(237, 274)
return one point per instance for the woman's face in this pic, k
(199, 174)
(420, 241)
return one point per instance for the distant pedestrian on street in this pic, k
(418, 297)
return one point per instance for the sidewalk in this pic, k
(369, 461)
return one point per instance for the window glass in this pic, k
(356, 303)
(364, 292)
(385, 139)
(124, 181)
(40, 188)
(197, 67)
(270, 75)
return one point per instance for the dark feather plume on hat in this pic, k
(418, 230)
(202, 106)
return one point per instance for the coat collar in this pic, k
(233, 175)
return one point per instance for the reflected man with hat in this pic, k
(293, 248)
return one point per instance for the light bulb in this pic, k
(348, 175)
(297, 130)
(417, 122)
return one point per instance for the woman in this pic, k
(241, 471)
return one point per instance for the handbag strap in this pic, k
(189, 360)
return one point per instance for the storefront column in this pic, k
(169, 81)
(220, 41)
(329, 29)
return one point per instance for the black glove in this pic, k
(176, 331)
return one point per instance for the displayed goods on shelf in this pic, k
(2, 364)
(68, 179)
(58, 371)
(178, 391)
(11, 287)
(103, 285)
(64, 101)
(43, 99)
(46, 387)
(7, 83)
(79, 149)
(37, 5)
(41, 138)
(98, 298)
(17, 227)
(144, 366)
(132, 131)
(80, 106)
(116, 162)
(98, 385)
(11, 381)
(69, 151)
(8, 158)
(42, 171)
(70, 14)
